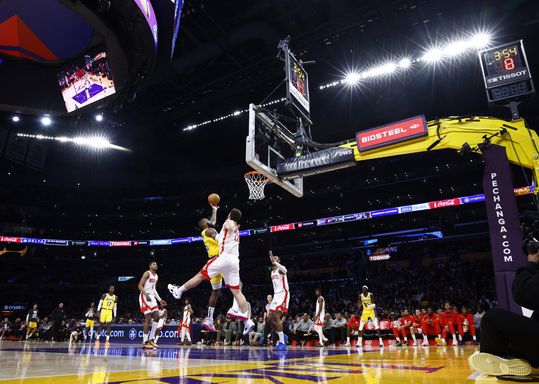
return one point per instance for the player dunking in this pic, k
(148, 304)
(107, 312)
(366, 299)
(281, 297)
(226, 264)
(319, 317)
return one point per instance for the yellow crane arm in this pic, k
(520, 142)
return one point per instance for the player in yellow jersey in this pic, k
(107, 312)
(209, 237)
(366, 299)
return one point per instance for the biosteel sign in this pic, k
(392, 133)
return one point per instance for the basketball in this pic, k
(214, 199)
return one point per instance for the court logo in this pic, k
(132, 333)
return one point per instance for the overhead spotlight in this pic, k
(405, 63)
(352, 78)
(237, 113)
(433, 55)
(480, 40)
(99, 117)
(83, 257)
(93, 142)
(456, 48)
(15, 118)
(46, 121)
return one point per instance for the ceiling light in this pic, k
(480, 40)
(405, 63)
(433, 55)
(99, 117)
(46, 121)
(456, 48)
(15, 118)
(352, 78)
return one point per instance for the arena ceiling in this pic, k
(226, 58)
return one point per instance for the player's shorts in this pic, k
(367, 314)
(217, 282)
(280, 302)
(226, 265)
(90, 323)
(106, 316)
(32, 324)
(147, 306)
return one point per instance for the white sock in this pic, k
(460, 337)
(440, 336)
(281, 336)
(413, 337)
(188, 335)
(91, 333)
(156, 338)
(425, 339)
(235, 305)
(348, 339)
(398, 339)
(210, 312)
(152, 331)
(360, 341)
(144, 337)
(443, 340)
(183, 289)
(107, 337)
(474, 339)
(454, 339)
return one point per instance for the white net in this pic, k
(256, 183)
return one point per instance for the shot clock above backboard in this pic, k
(506, 72)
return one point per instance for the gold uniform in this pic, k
(368, 313)
(212, 247)
(106, 308)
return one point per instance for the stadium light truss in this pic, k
(96, 143)
(432, 55)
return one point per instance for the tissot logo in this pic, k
(392, 133)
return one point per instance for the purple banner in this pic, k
(503, 222)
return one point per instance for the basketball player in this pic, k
(366, 299)
(406, 327)
(465, 323)
(163, 313)
(90, 322)
(319, 317)
(281, 298)
(430, 324)
(226, 264)
(32, 318)
(448, 319)
(186, 322)
(148, 304)
(209, 237)
(107, 312)
(352, 328)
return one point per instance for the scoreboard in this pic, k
(506, 73)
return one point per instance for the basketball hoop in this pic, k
(256, 183)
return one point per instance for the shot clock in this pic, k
(506, 73)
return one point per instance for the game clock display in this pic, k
(505, 72)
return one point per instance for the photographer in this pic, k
(510, 342)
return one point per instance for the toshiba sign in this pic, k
(392, 133)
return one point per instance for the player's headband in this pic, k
(365, 287)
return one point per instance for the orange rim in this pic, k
(264, 180)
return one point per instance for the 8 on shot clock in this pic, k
(506, 73)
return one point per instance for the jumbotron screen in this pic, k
(86, 80)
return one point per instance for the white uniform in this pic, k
(162, 318)
(320, 322)
(281, 294)
(149, 306)
(186, 322)
(228, 261)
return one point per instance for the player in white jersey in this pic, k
(163, 313)
(186, 322)
(226, 264)
(281, 298)
(319, 317)
(148, 304)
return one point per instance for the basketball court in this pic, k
(125, 363)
